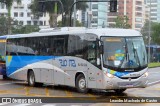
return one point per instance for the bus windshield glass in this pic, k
(2, 49)
(124, 52)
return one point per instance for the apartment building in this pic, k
(23, 15)
(154, 9)
(133, 9)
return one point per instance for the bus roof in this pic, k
(3, 37)
(78, 30)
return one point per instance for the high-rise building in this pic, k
(154, 9)
(23, 15)
(133, 9)
(95, 15)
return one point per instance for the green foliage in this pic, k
(8, 4)
(152, 65)
(16, 28)
(122, 22)
(155, 32)
(3, 26)
(19, 29)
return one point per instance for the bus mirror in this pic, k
(101, 49)
(98, 61)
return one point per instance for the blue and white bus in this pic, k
(108, 59)
(2, 55)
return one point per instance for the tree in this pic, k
(145, 31)
(156, 33)
(53, 10)
(122, 22)
(3, 25)
(17, 28)
(8, 4)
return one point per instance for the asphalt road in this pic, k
(11, 88)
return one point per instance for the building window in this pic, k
(44, 22)
(95, 13)
(35, 23)
(15, 14)
(28, 22)
(138, 2)
(21, 14)
(138, 14)
(138, 8)
(94, 20)
(95, 6)
(138, 19)
(28, 14)
(2, 6)
(41, 23)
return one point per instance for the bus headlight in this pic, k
(109, 75)
(145, 74)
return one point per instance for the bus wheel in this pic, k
(81, 84)
(31, 78)
(119, 91)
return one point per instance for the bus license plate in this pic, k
(129, 85)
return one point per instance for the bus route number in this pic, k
(69, 63)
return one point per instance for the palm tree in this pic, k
(51, 8)
(8, 4)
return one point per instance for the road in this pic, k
(12, 88)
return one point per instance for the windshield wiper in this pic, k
(135, 52)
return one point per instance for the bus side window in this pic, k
(92, 52)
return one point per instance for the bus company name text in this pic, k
(67, 63)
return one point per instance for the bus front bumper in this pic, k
(118, 83)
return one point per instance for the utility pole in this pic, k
(74, 21)
(89, 15)
(149, 35)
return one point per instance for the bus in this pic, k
(103, 58)
(2, 56)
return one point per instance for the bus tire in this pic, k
(81, 84)
(5, 77)
(31, 78)
(119, 91)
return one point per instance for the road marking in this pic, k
(1, 104)
(47, 91)
(21, 104)
(27, 90)
(49, 105)
(69, 93)
(5, 84)
(153, 83)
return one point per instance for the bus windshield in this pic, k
(124, 52)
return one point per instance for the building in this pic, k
(96, 15)
(133, 9)
(154, 10)
(23, 15)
